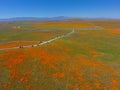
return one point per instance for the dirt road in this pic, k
(45, 42)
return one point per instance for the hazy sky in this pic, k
(52, 8)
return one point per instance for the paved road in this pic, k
(45, 42)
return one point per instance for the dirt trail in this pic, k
(45, 42)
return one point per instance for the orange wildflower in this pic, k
(115, 82)
(59, 75)
(97, 84)
(69, 85)
(62, 75)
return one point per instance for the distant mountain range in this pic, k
(45, 19)
(42, 19)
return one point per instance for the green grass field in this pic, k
(85, 60)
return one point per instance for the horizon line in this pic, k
(63, 17)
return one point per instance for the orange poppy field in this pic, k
(85, 60)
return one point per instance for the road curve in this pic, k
(45, 42)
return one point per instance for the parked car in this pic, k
(21, 46)
(40, 42)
